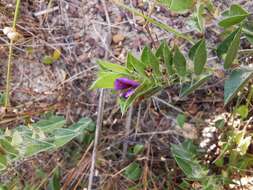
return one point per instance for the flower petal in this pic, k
(124, 83)
(128, 93)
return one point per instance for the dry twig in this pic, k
(100, 109)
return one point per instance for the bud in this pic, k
(13, 36)
(7, 30)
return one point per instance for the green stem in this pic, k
(249, 96)
(246, 31)
(16, 14)
(9, 63)
(157, 23)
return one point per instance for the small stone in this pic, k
(118, 38)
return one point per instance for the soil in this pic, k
(79, 30)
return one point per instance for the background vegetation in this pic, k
(126, 94)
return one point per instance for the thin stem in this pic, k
(16, 14)
(101, 106)
(9, 63)
(98, 128)
(8, 76)
(246, 31)
(245, 51)
(128, 128)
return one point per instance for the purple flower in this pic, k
(125, 85)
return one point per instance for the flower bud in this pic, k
(13, 36)
(7, 30)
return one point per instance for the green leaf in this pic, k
(55, 181)
(116, 68)
(44, 135)
(188, 88)
(249, 38)
(138, 91)
(245, 163)
(8, 148)
(36, 146)
(159, 51)
(200, 58)
(223, 46)
(133, 171)
(56, 55)
(47, 60)
(106, 80)
(50, 124)
(168, 59)
(3, 162)
(63, 136)
(193, 50)
(138, 148)
(235, 83)
(145, 90)
(150, 60)
(200, 20)
(185, 156)
(178, 5)
(236, 9)
(239, 135)
(136, 64)
(2, 98)
(16, 139)
(232, 20)
(181, 120)
(164, 53)
(244, 145)
(3, 159)
(243, 111)
(219, 124)
(233, 49)
(179, 62)
(84, 124)
(235, 15)
(184, 185)
(248, 31)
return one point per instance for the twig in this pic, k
(138, 119)
(9, 63)
(46, 11)
(100, 108)
(169, 105)
(8, 76)
(128, 127)
(98, 127)
(166, 132)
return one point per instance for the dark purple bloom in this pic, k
(127, 86)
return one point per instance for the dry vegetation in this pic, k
(84, 31)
